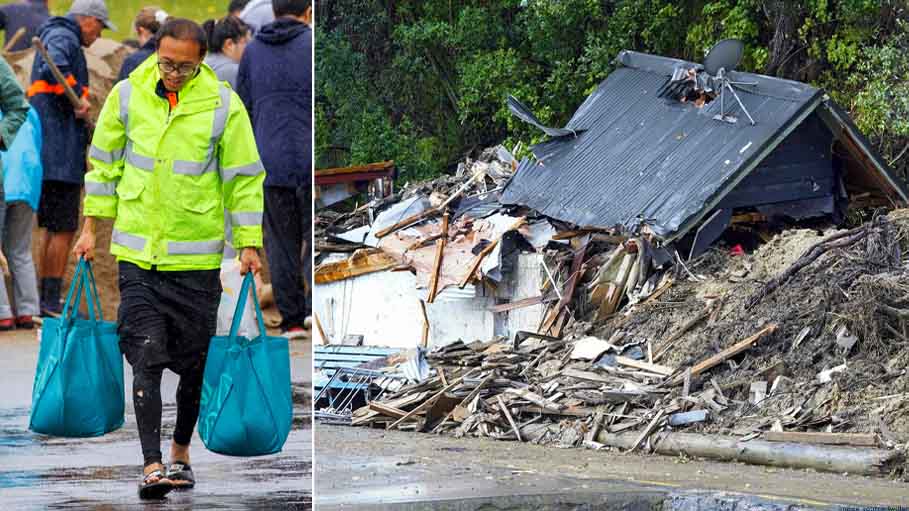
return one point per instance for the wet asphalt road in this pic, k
(40, 472)
(365, 469)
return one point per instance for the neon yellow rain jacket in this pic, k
(167, 176)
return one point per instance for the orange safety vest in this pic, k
(45, 87)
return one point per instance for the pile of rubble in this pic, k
(802, 340)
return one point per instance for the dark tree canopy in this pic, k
(424, 82)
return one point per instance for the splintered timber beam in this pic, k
(325, 340)
(568, 293)
(431, 211)
(407, 222)
(424, 342)
(362, 261)
(437, 266)
(466, 401)
(429, 402)
(726, 354)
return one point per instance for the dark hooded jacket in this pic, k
(29, 15)
(136, 58)
(65, 136)
(275, 83)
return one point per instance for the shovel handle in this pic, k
(70, 93)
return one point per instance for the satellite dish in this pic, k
(722, 58)
(725, 54)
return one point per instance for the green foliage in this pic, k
(880, 92)
(424, 82)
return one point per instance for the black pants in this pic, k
(288, 228)
(166, 321)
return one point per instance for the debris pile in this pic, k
(639, 278)
(802, 341)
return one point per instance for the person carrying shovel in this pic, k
(64, 127)
(173, 148)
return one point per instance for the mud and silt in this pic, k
(844, 309)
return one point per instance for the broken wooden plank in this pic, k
(855, 439)
(568, 292)
(727, 353)
(504, 408)
(645, 366)
(431, 211)
(517, 304)
(474, 393)
(429, 402)
(386, 410)
(565, 412)
(361, 262)
(424, 342)
(407, 222)
(478, 260)
(325, 340)
(647, 431)
(616, 289)
(534, 398)
(586, 376)
(659, 292)
(437, 265)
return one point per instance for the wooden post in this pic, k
(325, 340)
(425, 341)
(437, 266)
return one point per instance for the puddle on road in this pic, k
(587, 501)
(76, 473)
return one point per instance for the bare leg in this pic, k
(57, 253)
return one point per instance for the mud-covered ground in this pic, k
(364, 468)
(41, 472)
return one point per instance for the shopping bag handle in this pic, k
(94, 289)
(249, 283)
(82, 276)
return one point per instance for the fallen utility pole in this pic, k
(826, 458)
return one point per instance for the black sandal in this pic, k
(156, 490)
(181, 475)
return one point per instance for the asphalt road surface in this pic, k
(40, 472)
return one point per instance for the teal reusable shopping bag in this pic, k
(78, 390)
(247, 406)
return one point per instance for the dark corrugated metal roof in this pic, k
(639, 159)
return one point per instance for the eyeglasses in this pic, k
(181, 70)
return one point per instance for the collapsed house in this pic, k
(638, 163)
(637, 157)
(598, 294)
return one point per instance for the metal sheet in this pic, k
(645, 160)
(522, 112)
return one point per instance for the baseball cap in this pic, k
(95, 9)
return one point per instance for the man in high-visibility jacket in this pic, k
(173, 149)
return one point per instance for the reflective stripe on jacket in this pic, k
(167, 176)
(45, 87)
(64, 135)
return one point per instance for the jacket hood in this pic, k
(60, 22)
(281, 30)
